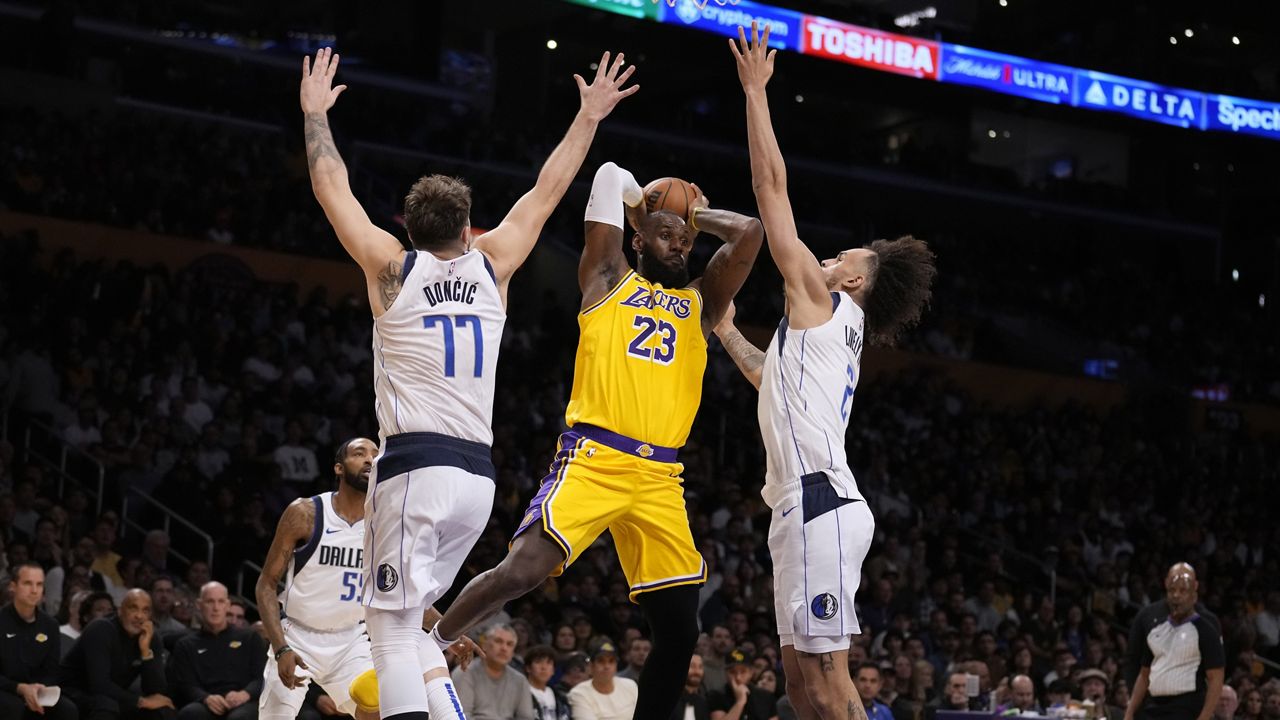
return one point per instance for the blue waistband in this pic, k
(627, 445)
(413, 451)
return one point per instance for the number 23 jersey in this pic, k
(641, 357)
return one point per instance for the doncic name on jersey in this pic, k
(458, 290)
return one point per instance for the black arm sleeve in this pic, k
(48, 672)
(1211, 652)
(100, 652)
(182, 675)
(153, 679)
(259, 648)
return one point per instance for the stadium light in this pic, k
(991, 134)
(1004, 3)
(1235, 39)
(1173, 40)
(1262, 300)
(552, 44)
(1189, 33)
(1235, 274)
(799, 98)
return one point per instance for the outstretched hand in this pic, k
(317, 93)
(755, 59)
(605, 91)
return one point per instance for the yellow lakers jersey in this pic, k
(641, 356)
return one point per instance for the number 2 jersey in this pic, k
(322, 587)
(435, 350)
(806, 394)
(641, 357)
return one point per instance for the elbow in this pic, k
(769, 181)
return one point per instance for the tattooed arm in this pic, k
(377, 252)
(294, 530)
(748, 357)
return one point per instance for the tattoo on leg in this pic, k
(828, 663)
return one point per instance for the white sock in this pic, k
(443, 700)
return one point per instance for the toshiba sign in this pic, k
(870, 48)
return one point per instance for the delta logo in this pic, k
(870, 48)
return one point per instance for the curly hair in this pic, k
(902, 275)
(436, 210)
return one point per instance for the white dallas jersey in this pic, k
(435, 351)
(322, 588)
(806, 393)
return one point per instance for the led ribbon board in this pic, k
(960, 65)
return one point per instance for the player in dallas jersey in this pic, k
(821, 527)
(637, 385)
(318, 551)
(435, 349)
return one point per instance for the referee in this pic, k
(1180, 657)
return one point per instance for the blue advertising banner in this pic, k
(1242, 115)
(1007, 74)
(1141, 99)
(960, 65)
(724, 19)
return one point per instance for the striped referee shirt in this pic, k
(1179, 653)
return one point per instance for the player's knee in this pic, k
(526, 568)
(797, 691)
(672, 616)
(827, 700)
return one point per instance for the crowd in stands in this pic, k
(1054, 310)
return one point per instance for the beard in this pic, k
(358, 482)
(656, 271)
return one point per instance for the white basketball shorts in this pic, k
(429, 499)
(818, 541)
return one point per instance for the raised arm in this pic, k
(377, 251)
(614, 192)
(729, 267)
(808, 302)
(748, 357)
(511, 242)
(294, 529)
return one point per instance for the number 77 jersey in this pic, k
(435, 350)
(641, 357)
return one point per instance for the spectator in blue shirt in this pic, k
(867, 678)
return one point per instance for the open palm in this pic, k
(317, 93)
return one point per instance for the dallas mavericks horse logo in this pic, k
(388, 578)
(824, 606)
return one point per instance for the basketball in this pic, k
(671, 194)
